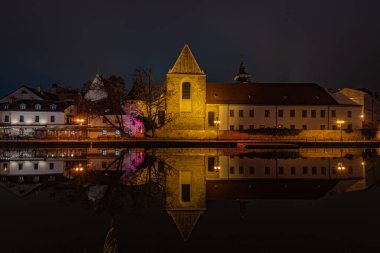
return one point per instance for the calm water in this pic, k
(189, 200)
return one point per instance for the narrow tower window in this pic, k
(186, 90)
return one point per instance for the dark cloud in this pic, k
(334, 43)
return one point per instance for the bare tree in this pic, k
(150, 97)
(106, 97)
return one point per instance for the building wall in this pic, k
(274, 119)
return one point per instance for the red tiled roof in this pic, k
(268, 94)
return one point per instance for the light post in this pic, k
(217, 123)
(340, 125)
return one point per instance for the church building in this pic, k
(200, 105)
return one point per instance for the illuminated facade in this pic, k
(201, 105)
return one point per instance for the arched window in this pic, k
(186, 90)
(37, 107)
(22, 106)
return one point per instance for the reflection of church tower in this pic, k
(186, 84)
(186, 192)
(242, 76)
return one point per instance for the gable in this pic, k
(22, 93)
(186, 63)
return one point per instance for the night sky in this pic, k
(333, 43)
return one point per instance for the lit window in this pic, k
(117, 152)
(37, 107)
(22, 106)
(186, 90)
(104, 132)
(117, 132)
(104, 152)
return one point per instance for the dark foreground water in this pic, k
(189, 200)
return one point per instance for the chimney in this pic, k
(38, 88)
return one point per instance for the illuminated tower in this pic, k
(186, 85)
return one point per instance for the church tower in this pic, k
(186, 86)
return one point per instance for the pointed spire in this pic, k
(186, 63)
(242, 76)
(185, 221)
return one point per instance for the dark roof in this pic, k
(268, 94)
(30, 105)
(43, 94)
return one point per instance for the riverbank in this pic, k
(181, 143)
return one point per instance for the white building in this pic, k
(26, 110)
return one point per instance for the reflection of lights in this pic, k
(363, 163)
(340, 167)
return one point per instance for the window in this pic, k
(349, 126)
(186, 90)
(210, 163)
(251, 127)
(240, 113)
(104, 132)
(323, 113)
(304, 114)
(251, 170)
(304, 127)
(241, 170)
(292, 113)
(241, 127)
(267, 170)
(53, 107)
(293, 170)
(232, 170)
(350, 170)
(349, 114)
(37, 107)
(104, 165)
(266, 113)
(313, 113)
(185, 192)
(334, 127)
(292, 127)
(323, 127)
(117, 132)
(22, 106)
(52, 118)
(323, 170)
(104, 152)
(20, 165)
(6, 118)
(117, 152)
(37, 118)
(6, 106)
(304, 170)
(36, 166)
(281, 170)
(333, 114)
(21, 118)
(251, 113)
(313, 170)
(104, 120)
(232, 113)
(51, 166)
(211, 118)
(231, 127)
(280, 113)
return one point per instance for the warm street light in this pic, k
(217, 123)
(340, 166)
(340, 125)
(217, 167)
(80, 121)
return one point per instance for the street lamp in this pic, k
(80, 121)
(340, 124)
(217, 123)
